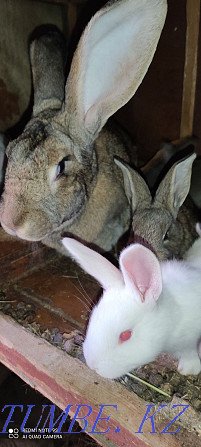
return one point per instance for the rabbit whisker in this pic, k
(83, 295)
(85, 305)
(84, 291)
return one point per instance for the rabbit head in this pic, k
(60, 174)
(121, 333)
(162, 221)
(27, 155)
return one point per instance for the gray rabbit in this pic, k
(165, 222)
(60, 175)
(2, 153)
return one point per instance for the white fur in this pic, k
(170, 322)
(93, 263)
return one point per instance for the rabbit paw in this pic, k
(189, 365)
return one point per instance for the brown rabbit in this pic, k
(164, 222)
(60, 174)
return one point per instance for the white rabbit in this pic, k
(146, 308)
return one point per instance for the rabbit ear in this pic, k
(110, 62)
(141, 273)
(135, 186)
(93, 263)
(175, 186)
(47, 54)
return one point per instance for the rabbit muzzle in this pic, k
(36, 224)
(17, 227)
(16, 220)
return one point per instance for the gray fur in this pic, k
(195, 189)
(47, 55)
(2, 154)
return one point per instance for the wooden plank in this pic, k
(50, 283)
(66, 380)
(190, 68)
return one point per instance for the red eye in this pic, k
(124, 336)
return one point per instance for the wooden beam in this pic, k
(190, 67)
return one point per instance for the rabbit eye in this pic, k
(126, 335)
(166, 235)
(61, 168)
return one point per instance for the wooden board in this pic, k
(190, 67)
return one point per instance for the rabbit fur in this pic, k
(60, 174)
(195, 189)
(146, 308)
(167, 220)
(2, 153)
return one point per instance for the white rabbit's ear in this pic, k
(111, 60)
(175, 186)
(93, 263)
(141, 272)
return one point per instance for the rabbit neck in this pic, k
(179, 305)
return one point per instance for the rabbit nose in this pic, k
(10, 219)
(7, 222)
(8, 230)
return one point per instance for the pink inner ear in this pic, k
(141, 271)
